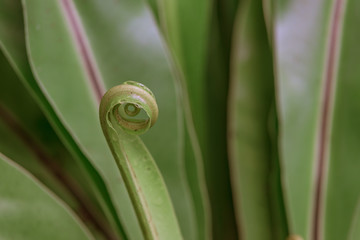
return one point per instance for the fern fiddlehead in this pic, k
(126, 111)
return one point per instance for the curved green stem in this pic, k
(126, 111)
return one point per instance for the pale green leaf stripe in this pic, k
(29, 211)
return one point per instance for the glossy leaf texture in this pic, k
(252, 148)
(28, 211)
(318, 101)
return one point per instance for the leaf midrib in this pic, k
(81, 41)
(327, 102)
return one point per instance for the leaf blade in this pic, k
(342, 178)
(45, 215)
(312, 83)
(251, 136)
(13, 45)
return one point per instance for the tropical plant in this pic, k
(256, 104)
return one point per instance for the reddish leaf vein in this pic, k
(84, 48)
(325, 121)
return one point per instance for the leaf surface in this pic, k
(28, 139)
(89, 61)
(199, 51)
(343, 181)
(251, 153)
(318, 105)
(28, 211)
(12, 39)
(135, 52)
(65, 69)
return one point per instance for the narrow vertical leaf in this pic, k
(300, 50)
(217, 74)
(318, 92)
(343, 181)
(251, 116)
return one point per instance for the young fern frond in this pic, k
(126, 111)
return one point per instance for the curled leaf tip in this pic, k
(131, 105)
(126, 111)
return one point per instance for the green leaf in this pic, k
(103, 52)
(300, 56)
(46, 23)
(25, 125)
(20, 124)
(217, 74)
(13, 45)
(343, 180)
(28, 211)
(32, 143)
(251, 147)
(135, 52)
(199, 45)
(318, 91)
(123, 111)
